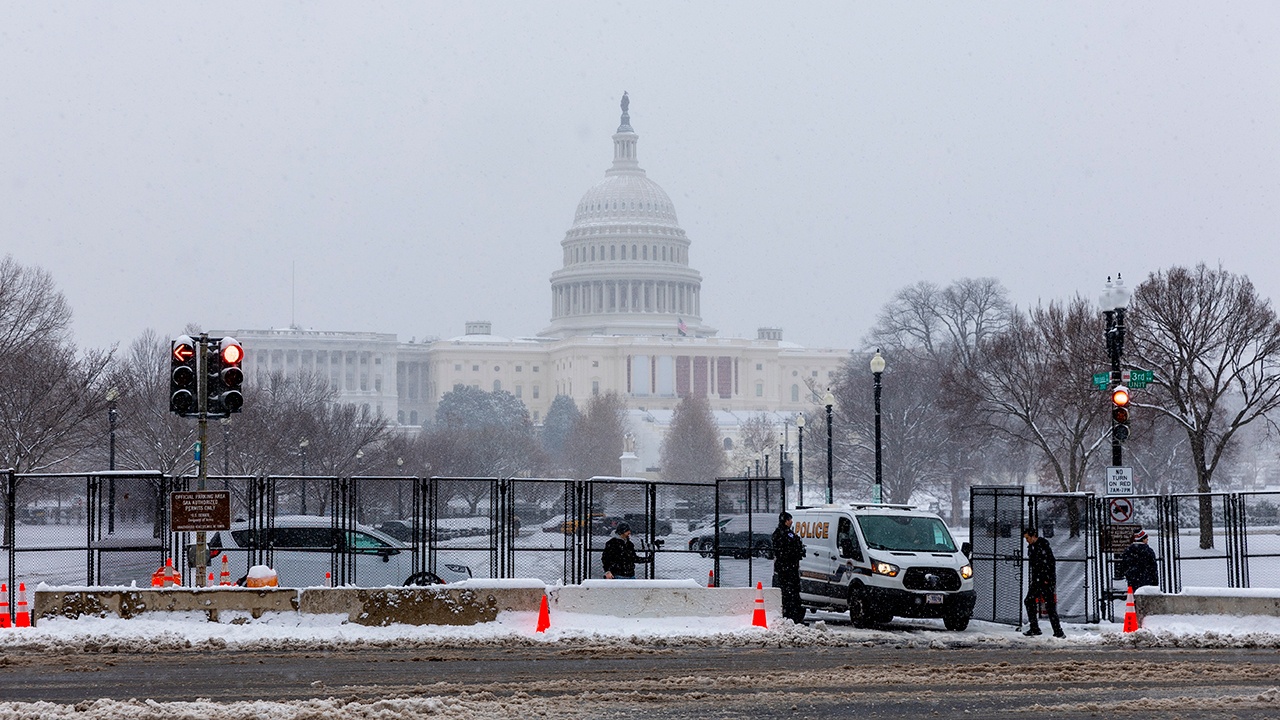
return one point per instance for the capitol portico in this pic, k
(625, 317)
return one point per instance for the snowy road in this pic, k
(113, 669)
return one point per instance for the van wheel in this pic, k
(955, 622)
(423, 579)
(858, 609)
(705, 548)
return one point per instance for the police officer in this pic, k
(788, 549)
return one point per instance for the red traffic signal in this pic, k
(226, 377)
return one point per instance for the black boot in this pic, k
(1033, 631)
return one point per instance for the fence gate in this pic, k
(1067, 520)
(995, 534)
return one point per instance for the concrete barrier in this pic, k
(1207, 601)
(129, 603)
(466, 603)
(659, 598)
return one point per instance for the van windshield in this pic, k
(906, 533)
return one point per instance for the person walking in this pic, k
(788, 550)
(1044, 582)
(1138, 562)
(619, 557)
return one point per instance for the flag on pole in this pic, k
(682, 328)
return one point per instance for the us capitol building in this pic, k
(625, 317)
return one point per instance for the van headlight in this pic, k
(883, 568)
(966, 572)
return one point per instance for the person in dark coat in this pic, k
(788, 549)
(619, 557)
(1044, 582)
(1138, 562)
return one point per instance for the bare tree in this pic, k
(925, 332)
(691, 450)
(1214, 346)
(757, 437)
(54, 397)
(1030, 384)
(914, 427)
(149, 437)
(596, 442)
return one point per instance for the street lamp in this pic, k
(828, 399)
(1114, 301)
(302, 483)
(112, 396)
(399, 485)
(877, 368)
(800, 475)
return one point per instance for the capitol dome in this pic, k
(626, 259)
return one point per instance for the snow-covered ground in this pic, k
(294, 633)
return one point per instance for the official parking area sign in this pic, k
(200, 510)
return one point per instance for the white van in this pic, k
(882, 561)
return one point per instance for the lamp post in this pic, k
(828, 399)
(1114, 301)
(112, 396)
(800, 474)
(302, 483)
(877, 368)
(399, 484)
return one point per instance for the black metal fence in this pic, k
(113, 528)
(1208, 540)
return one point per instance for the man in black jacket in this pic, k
(1044, 582)
(619, 557)
(788, 549)
(1138, 562)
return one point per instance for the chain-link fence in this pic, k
(114, 528)
(1200, 540)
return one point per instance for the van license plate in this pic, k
(933, 599)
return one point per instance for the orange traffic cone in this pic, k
(4, 605)
(544, 616)
(157, 577)
(328, 579)
(24, 614)
(711, 578)
(1130, 614)
(757, 617)
(171, 576)
(225, 578)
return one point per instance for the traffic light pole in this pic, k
(1115, 348)
(201, 549)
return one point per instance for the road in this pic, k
(581, 680)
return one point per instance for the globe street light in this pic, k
(1114, 301)
(828, 399)
(800, 475)
(877, 367)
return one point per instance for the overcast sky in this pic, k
(415, 165)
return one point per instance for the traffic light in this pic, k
(1120, 412)
(225, 377)
(182, 375)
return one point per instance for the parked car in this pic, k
(304, 545)
(739, 537)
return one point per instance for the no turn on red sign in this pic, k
(1121, 510)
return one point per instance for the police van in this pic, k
(881, 561)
